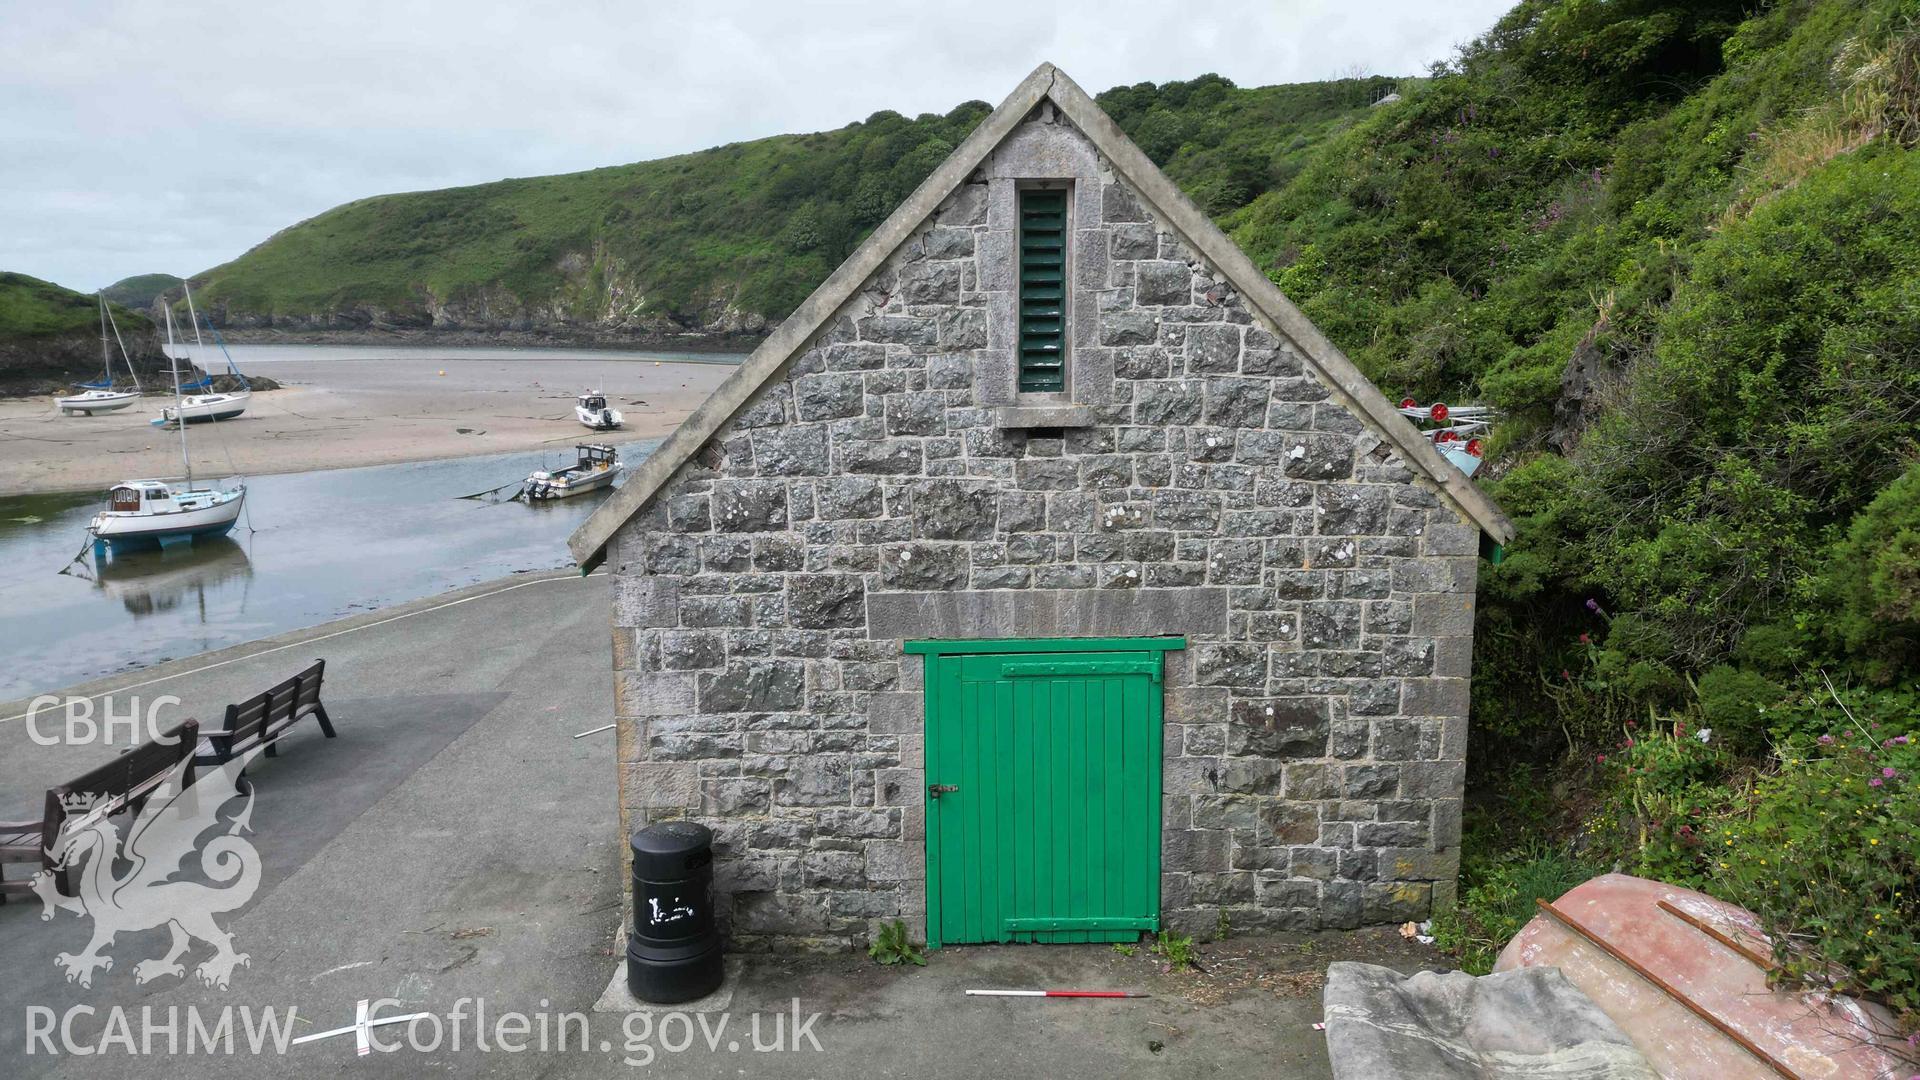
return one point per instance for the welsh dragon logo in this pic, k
(146, 896)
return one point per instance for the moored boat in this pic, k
(207, 404)
(595, 469)
(103, 396)
(97, 399)
(199, 408)
(144, 512)
(592, 410)
(141, 513)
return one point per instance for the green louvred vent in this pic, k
(1043, 291)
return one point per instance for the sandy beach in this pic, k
(336, 412)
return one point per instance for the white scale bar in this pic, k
(360, 1029)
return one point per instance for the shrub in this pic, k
(1668, 781)
(1830, 861)
(1733, 704)
(1872, 582)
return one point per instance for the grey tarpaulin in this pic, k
(1529, 1024)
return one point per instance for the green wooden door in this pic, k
(1043, 806)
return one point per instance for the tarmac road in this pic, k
(456, 842)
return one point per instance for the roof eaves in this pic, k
(588, 542)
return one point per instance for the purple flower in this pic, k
(1889, 772)
(1826, 740)
(1875, 782)
(1899, 740)
(1593, 605)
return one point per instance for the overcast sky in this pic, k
(145, 137)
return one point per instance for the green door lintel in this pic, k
(1045, 645)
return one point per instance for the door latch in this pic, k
(934, 791)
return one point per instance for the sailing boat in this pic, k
(103, 396)
(212, 405)
(141, 513)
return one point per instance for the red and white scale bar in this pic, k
(1058, 993)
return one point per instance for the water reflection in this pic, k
(311, 547)
(161, 580)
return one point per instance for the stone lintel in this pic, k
(1199, 612)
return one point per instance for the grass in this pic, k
(750, 227)
(1497, 900)
(140, 291)
(30, 307)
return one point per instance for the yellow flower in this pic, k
(1723, 866)
(1875, 841)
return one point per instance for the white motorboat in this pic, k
(141, 513)
(103, 396)
(593, 411)
(207, 404)
(596, 469)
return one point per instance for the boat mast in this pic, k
(115, 323)
(179, 407)
(199, 346)
(106, 357)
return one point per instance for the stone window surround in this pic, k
(1008, 174)
(1047, 408)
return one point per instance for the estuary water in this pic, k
(313, 546)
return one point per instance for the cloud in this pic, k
(171, 137)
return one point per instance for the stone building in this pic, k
(1048, 576)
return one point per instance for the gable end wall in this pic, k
(1315, 729)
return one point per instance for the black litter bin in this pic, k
(673, 953)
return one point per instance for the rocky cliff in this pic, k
(50, 338)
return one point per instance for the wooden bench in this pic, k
(263, 718)
(122, 784)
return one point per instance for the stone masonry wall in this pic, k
(1315, 727)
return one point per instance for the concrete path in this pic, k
(456, 842)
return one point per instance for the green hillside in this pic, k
(50, 336)
(1678, 244)
(751, 227)
(140, 290)
(30, 307)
